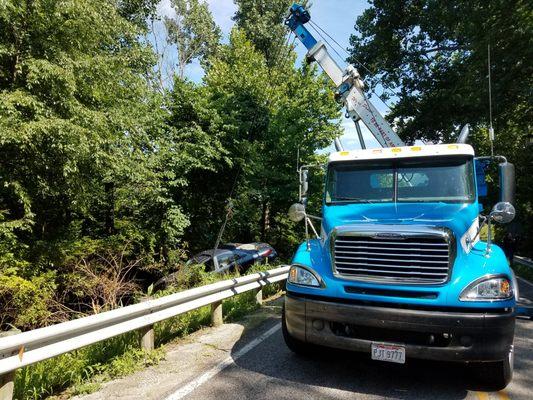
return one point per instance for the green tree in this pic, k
(71, 78)
(193, 31)
(263, 115)
(435, 53)
(85, 152)
(262, 23)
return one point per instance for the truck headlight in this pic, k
(302, 276)
(495, 288)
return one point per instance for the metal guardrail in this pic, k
(524, 309)
(524, 261)
(27, 348)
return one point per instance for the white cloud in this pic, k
(165, 9)
(223, 11)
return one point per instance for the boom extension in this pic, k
(348, 82)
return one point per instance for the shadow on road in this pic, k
(355, 373)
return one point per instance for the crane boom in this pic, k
(348, 82)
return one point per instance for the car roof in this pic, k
(211, 252)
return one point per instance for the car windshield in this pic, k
(448, 180)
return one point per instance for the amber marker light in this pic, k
(293, 274)
(505, 287)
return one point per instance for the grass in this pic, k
(83, 371)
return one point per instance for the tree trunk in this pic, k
(265, 221)
(109, 188)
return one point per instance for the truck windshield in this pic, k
(448, 180)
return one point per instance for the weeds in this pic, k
(106, 360)
(82, 371)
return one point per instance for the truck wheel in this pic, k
(295, 345)
(496, 375)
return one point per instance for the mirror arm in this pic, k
(307, 243)
(314, 217)
(489, 236)
(313, 228)
(483, 222)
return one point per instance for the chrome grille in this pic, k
(408, 257)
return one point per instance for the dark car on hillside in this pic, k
(234, 256)
(228, 257)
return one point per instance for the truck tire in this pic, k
(295, 345)
(496, 375)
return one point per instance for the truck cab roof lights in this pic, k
(403, 152)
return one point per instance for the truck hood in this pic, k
(456, 216)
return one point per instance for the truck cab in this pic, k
(397, 269)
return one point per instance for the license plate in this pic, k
(388, 352)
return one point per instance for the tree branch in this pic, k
(439, 48)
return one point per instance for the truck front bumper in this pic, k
(426, 334)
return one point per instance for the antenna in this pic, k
(491, 129)
(298, 159)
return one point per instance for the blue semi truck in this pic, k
(397, 268)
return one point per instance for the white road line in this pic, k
(191, 386)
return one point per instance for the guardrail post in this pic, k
(216, 314)
(147, 334)
(259, 296)
(7, 384)
(7, 381)
(147, 337)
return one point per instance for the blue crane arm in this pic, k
(296, 20)
(348, 82)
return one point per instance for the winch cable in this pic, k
(229, 212)
(327, 42)
(371, 89)
(348, 54)
(336, 52)
(386, 87)
(229, 207)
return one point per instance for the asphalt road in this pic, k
(271, 371)
(237, 361)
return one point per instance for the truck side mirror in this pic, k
(304, 184)
(503, 212)
(507, 182)
(297, 212)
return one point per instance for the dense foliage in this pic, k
(77, 122)
(111, 175)
(434, 55)
(108, 178)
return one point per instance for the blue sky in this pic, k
(337, 17)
